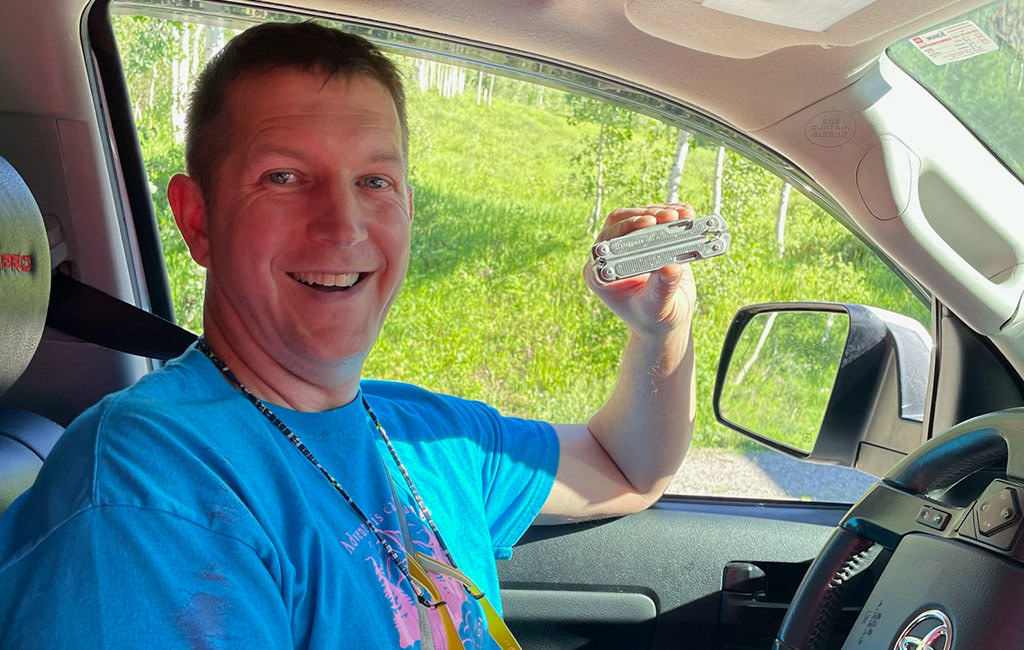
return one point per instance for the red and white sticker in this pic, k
(956, 42)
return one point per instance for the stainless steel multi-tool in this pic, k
(651, 248)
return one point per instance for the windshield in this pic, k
(974, 64)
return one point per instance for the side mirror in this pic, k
(828, 382)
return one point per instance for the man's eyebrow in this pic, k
(380, 156)
(278, 150)
(387, 157)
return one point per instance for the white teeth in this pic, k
(327, 279)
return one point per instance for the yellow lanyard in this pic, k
(419, 562)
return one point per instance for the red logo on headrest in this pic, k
(15, 262)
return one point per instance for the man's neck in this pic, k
(272, 380)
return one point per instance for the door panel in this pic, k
(549, 619)
(654, 579)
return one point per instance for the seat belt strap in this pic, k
(91, 315)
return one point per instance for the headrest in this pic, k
(24, 275)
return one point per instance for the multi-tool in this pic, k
(648, 249)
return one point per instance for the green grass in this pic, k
(795, 354)
(493, 307)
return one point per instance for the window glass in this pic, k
(512, 179)
(974, 64)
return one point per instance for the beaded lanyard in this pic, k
(297, 442)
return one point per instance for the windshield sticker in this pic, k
(956, 42)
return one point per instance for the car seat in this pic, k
(30, 297)
(25, 437)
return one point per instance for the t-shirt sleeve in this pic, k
(520, 461)
(128, 577)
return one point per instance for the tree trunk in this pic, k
(149, 102)
(479, 86)
(676, 171)
(828, 327)
(490, 90)
(424, 74)
(180, 67)
(716, 202)
(212, 37)
(780, 218)
(757, 348)
(595, 212)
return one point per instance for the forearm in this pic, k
(625, 456)
(646, 423)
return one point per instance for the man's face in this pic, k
(308, 220)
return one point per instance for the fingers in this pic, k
(623, 220)
(671, 288)
(663, 283)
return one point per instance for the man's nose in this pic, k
(338, 219)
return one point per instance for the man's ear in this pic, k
(408, 192)
(190, 214)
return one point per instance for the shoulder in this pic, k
(150, 446)
(411, 395)
(448, 417)
(120, 425)
(411, 402)
(150, 418)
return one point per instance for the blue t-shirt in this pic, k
(174, 514)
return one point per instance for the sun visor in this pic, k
(746, 29)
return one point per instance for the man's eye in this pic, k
(281, 178)
(376, 182)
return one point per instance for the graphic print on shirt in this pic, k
(465, 611)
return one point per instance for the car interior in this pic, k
(85, 306)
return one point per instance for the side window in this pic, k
(512, 179)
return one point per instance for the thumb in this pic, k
(663, 283)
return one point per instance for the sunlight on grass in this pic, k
(494, 307)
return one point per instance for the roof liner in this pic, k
(702, 70)
(728, 35)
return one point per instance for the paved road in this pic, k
(766, 474)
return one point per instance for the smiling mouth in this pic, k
(328, 281)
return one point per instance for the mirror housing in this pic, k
(875, 408)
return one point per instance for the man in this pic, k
(255, 491)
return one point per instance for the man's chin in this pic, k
(332, 353)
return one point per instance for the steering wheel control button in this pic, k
(933, 517)
(995, 518)
(998, 511)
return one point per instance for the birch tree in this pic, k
(780, 218)
(676, 171)
(716, 201)
(181, 67)
(752, 359)
(599, 162)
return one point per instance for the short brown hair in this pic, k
(306, 46)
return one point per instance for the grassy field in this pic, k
(494, 307)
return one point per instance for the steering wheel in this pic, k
(955, 578)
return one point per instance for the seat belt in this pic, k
(86, 313)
